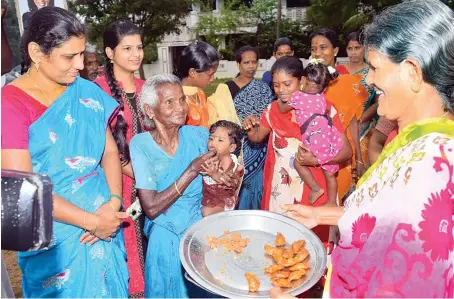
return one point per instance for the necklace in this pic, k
(125, 95)
(444, 114)
(49, 102)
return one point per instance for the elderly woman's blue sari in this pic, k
(67, 143)
(251, 99)
(154, 169)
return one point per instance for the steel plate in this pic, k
(223, 273)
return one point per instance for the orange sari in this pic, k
(198, 106)
(348, 96)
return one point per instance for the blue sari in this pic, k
(154, 169)
(67, 143)
(252, 99)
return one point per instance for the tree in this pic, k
(155, 18)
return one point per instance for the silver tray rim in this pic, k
(219, 291)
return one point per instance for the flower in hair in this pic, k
(331, 70)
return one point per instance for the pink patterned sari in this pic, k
(397, 229)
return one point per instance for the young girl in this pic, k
(316, 123)
(225, 138)
(123, 52)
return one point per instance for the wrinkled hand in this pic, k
(109, 222)
(305, 157)
(230, 179)
(303, 214)
(276, 292)
(207, 158)
(251, 122)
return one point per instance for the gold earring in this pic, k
(414, 88)
(37, 67)
(112, 61)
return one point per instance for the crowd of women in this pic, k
(155, 147)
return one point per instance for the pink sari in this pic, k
(397, 229)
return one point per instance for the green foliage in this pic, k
(150, 54)
(155, 17)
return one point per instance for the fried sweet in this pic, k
(295, 275)
(252, 281)
(234, 243)
(280, 274)
(270, 250)
(273, 268)
(300, 256)
(288, 253)
(296, 246)
(279, 259)
(280, 240)
(301, 266)
(281, 282)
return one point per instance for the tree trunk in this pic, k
(278, 19)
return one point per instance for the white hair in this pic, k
(89, 48)
(149, 93)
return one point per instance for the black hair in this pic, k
(113, 34)
(291, 65)
(198, 55)
(282, 41)
(320, 74)
(32, 6)
(353, 36)
(49, 27)
(243, 50)
(329, 34)
(235, 132)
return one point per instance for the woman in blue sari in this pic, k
(234, 101)
(55, 123)
(167, 162)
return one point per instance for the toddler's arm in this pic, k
(284, 107)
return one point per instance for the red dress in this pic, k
(132, 229)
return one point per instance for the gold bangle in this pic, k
(359, 162)
(176, 188)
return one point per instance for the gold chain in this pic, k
(49, 102)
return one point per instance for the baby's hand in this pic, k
(210, 169)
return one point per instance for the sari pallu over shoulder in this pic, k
(67, 143)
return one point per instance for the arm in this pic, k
(354, 132)
(284, 107)
(376, 145)
(328, 215)
(127, 170)
(155, 203)
(112, 167)
(345, 154)
(305, 157)
(314, 216)
(255, 132)
(369, 113)
(64, 211)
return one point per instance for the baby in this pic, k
(225, 138)
(317, 129)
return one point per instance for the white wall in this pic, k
(226, 69)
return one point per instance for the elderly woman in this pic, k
(167, 162)
(397, 227)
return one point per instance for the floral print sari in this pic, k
(397, 229)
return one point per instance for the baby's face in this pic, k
(220, 141)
